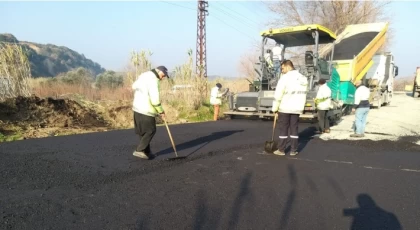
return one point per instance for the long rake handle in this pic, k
(274, 127)
(170, 137)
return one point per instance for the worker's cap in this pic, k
(219, 85)
(163, 69)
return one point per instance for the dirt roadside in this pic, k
(34, 117)
(397, 120)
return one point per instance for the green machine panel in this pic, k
(347, 90)
(343, 90)
(334, 84)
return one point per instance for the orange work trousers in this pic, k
(216, 112)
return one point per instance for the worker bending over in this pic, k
(216, 99)
(323, 104)
(361, 107)
(289, 102)
(146, 106)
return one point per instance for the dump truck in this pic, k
(353, 53)
(380, 79)
(416, 87)
(341, 61)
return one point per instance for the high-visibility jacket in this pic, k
(290, 93)
(323, 98)
(215, 96)
(268, 59)
(146, 94)
(276, 53)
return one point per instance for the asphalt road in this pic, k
(92, 181)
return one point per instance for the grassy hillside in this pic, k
(49, 60)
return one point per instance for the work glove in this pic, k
(275, 107)
(162, 115)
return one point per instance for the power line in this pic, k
(235, 17)
(222, 21)
(247, 18)
(232, 27)
(179, 5)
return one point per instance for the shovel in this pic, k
(270, 146)
(173, 145)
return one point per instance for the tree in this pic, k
(80, 76)
(109, 79)
(335, 15)
(246, 65)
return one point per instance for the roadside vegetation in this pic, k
(51, 90)
(78, 101)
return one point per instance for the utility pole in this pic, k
(201, 57)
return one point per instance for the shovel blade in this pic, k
(270, 146)
(175, 158)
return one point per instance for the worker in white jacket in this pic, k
(289, 102)
(323, 103)
(277, 50)
(216, 99)
(361, 107)
(268, 56)
(146, 106)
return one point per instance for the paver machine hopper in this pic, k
(259, 99)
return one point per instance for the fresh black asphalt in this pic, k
(92, 181)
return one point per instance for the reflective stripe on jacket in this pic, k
(323, 98)
(290, 93)
(146, 94)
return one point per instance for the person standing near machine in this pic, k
(323, 103)
(361, 107)
(289, 102)
(216, 99)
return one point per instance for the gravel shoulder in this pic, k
(399, 119)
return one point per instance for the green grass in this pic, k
(11, 137)
(204, 113)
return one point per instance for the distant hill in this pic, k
(49, 60)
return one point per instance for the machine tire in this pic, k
(386, 102)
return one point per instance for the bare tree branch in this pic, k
(335, 15)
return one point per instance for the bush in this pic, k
(80, 76)
(110, 80)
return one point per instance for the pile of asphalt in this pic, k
(352, 46)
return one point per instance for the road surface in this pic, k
(92, 181)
